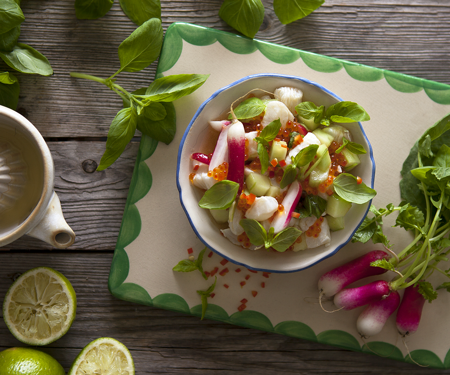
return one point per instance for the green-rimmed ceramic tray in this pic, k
(155, 233)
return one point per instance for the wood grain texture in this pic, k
(407, 36)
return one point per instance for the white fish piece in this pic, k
(324, 237)
(306, 222)
(203, 181)
(262, 208)
(218, 125)
(277, 110)
(252, 144)
(308, 139)
(234, 239)
(290, 96)
(235, 217)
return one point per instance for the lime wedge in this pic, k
(105, 356)
(40, 306)
(19, 361)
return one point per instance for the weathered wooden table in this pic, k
(411, 37)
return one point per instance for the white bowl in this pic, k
(196, 137)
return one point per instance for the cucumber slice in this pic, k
(320, 172)
(221, 216)
(351, 158)
(274, 191)
(309, 124)
(337, 207)
(278, 150)
(336, 223)
(323, 137)
(257, 184)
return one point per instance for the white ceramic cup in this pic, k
(44, 219)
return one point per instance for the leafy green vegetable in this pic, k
(246, 16)
(289, 11)
(140, 11)
(309, 111)
(9, 90)
(150, 110)
(303, 158)
(266, 135)
(26, 59)
(258, 236)
(187, 265)
(219, 196)
(92, 9)
(312, 205)
(9, 39)
(7, 78)
(10, 15)
(347, 187)
(248, 109)
(205, 294)
(356, 148)
(343, 112)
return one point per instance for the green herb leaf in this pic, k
(356, 148)
(410, 218)
(142, 47)
(220, 196)
(346, 186)
(269, 133)
(312, 205)
(427, 291)
(246, 16)
(185, 265)
(204, 294)
(120, 133)
(285, 238)
(170, 88)
(289, 11)
(9, 39)
(263, 155)
(445, 285)
(162, 130)
(7, 78)
(9, 93)
(365, 231)
(442, 158)
(383, 263)
(248, 109)
(199, 263)
(289, 175)
(292, 139)
(305, 156)
(140, 11)
(10, 15)
(92, 9)
(344, 112)
(308, 111)
(255, 231)
(26, 59)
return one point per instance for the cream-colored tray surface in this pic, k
(156, 234)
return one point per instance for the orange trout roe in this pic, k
(219, 173)
(285, 133)
(337, 163)
(245, 201)
(244, 240)
(315, 229)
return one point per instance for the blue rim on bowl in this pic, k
(201, 221)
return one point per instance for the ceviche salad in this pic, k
(278, 177)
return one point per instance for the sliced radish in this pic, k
(201, 157)
(218, 125)
(236, 153)
(282, 219)
(220, 154)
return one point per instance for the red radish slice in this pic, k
(202, 158)
(372, 320)
(220, 154)
(302, 130)
(352, 298)
(338, 278)
(282, 219)
(410, 311)
(236, 153)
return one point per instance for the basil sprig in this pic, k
(248, 109)
(354, 147)
(148, 109)
(268, 134)
(204, 295)
(341, 112)
(10, 15)
(187, 265)
(289, 11)
(346, 186)
(304, 157)
(220, 196)
(259, 237)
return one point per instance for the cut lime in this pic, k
(40, 306)
(105, 356)
(20, 361)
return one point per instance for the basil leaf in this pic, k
(26, 59)
(92, 9)
(199, 263)
(170, 88)
(142, 47)
(140, 11)
(308, 111)
(161, 130)
(313, 205)
(10, 15)
(9, 39)
(289, 176)
(305, 156)
(7, 78)
(356, 148)
(220, 196)
(204, 294)
(346, 186)
(120, 133)
(289, 11)
(269, 133)
(156, 111)
(292, 139)
(185, 265)
(248, 109)
(285, 238)
(344, 112)
(9, 94)
(263, 155)
(246, 16)
(255, 231)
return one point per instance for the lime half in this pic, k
(20, 361)
(40, 306)
(105, 356)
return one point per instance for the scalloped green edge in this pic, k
(142, 180)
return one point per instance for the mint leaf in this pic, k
(346, 186)
(255, 231)
(248, 109)
(289, 11)
(220, 196)
(204, 294)
(285, 238)
(246, 16)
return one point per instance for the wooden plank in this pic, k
(171, 343)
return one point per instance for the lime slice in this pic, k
(40, 306)
(105, 356)
(19, 361)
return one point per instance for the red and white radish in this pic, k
(374, 317)
(352, 298)
(236, 153)
(410, 311)
(338, 278)
(282, 218)
(201, 157)
(220, 154)
(218, 125)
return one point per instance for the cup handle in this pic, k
(53, 228)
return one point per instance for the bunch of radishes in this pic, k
(380, 296)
